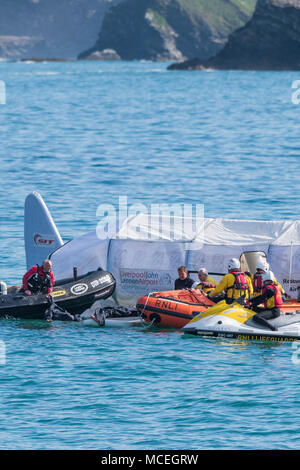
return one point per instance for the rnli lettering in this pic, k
(165, 304)
(265, 338)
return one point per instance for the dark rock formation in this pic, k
(49, 28)
(105, 54)
(170, 29)
(269, 41)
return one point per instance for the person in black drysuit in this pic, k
(183, 281)
(54, 312)
(271, 297)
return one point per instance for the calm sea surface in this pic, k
(84, 133)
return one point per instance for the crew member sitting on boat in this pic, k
(272, 299)
(207, 283)
(234, 284)
(39, 279)
(184, 281)
(261, 267)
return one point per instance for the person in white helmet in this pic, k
(270, 297)
(263, 266)
(234, 284)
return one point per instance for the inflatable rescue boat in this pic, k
(172, 308)
(74, 295)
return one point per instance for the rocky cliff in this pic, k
(170, 29)
(49, 28)
(269, 41)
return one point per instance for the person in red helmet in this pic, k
(39, 279)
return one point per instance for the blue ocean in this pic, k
(85, 133)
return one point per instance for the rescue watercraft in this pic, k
(235, 321)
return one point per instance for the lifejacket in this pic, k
(39, 281)
(257, 281)
(240, 282)
(276, 299)
(205, 286)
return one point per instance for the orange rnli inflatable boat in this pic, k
(176, 308)
(172, 308)
(290, 306)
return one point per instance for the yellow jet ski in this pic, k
(236, 321)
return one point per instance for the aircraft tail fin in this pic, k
(41, 235)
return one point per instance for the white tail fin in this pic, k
(40, 232)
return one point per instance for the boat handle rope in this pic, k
(142, 313)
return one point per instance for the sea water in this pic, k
(85, 133)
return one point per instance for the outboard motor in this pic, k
(3, 288)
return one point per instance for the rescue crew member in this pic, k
(235, 284)
(183, 281)
(207, 283)
(272, 299)
(39, 279)
(261, 267)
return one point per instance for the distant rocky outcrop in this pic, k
(49, 28)
(18, 46)
(269, 41)
(170, 29)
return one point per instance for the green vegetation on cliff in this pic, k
(171, 29)
(269, 41)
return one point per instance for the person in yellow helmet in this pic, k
(234, 284)
(207, 283)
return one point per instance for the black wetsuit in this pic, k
(183, 283)
(263, 315)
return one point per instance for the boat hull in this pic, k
(235, 321)
(247, 336)
(173, 308)
(75, 296)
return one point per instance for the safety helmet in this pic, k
(234, 264)
(262, 264)
(267, 276)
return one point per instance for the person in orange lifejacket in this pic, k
(272, 299)
(235, 284)
(39, 279)
(261, 267)
(207, 283)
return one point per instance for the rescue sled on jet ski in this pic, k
(172, 308)
(74, 295)
(235, 321)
